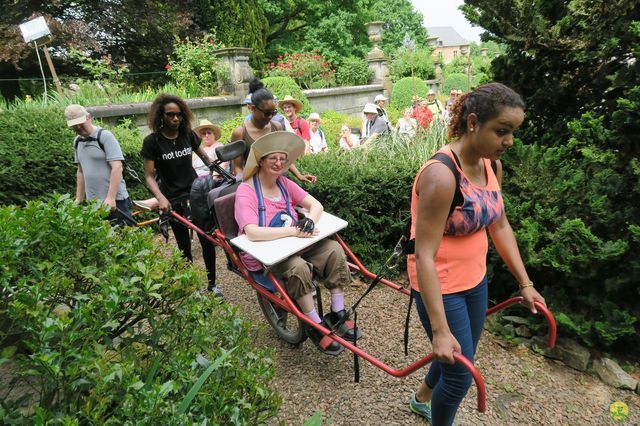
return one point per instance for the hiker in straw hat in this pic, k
(264, 211)
(210, 134)
(291, 107)
(263, 110)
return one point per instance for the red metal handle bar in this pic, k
(285, 302)
(468, 365)
(551, 321)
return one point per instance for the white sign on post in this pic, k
(35, 29)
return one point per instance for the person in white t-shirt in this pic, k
(348, 140)
(318, 142)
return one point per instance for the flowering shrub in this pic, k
(309, 69)
(103, 69)
(195, 65)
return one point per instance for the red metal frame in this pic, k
(284, 301)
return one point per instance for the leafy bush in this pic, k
(93, 322)
(404, 90)
(309, 69)
(576, 213)
(38, 154)
(282, 86)
(195, 64)
(353, 72)
(370, 188)
(456, 81)
(102, 69)
(423, 67)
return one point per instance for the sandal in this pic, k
(325, 343)
(340, 323)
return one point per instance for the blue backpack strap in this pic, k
(262, 211)
(285, 193)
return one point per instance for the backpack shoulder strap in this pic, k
(447, 161)
(100, 144)
(76, 141)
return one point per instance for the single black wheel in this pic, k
(290, 328)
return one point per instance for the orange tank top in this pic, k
(461, 259)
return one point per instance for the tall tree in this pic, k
(238, 23)
(139, 32)
(400, 18)
(335, 28)
(560, 54)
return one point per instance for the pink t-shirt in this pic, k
(246, 211)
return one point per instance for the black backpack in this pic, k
(200, 213)
(125, 166)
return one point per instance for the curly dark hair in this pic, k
(156, 113)
(486, 102)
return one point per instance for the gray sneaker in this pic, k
(420, 408)
(216, 292)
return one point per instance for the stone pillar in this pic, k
(439, 76)
(377, 62)
(237, 61)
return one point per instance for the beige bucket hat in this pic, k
(286, 142)
(206, 124)
(291, 100)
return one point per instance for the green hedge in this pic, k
(353, 72)
(92, 323)
(283, 86)
(370, 188)
(37, 151)
(456, 81)
(403, 92)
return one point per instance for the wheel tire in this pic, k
(290, 328)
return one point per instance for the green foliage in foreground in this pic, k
(93, 323)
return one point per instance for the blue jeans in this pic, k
(466, 312)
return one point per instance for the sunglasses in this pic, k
(173, 114)
(267, 113)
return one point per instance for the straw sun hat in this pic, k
(286, 142)
(297, 105)
(206, 124)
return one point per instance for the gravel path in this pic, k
(523, 388)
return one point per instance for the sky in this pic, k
(445, 13)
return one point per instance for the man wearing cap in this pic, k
(291, 107)
(453, 97)
(100, 164)
(318, 141)
(434, 105)
(380, 102)
(374, 125)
